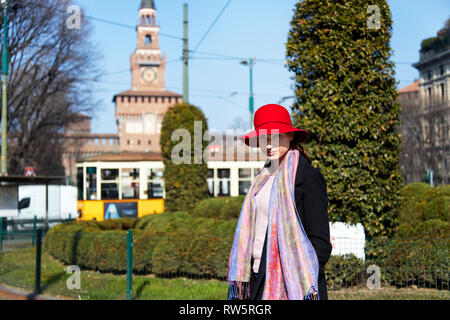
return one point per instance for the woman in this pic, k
(282, 239)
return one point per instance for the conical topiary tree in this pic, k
(185, 182)
(345, 92)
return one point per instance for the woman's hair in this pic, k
(295, 144)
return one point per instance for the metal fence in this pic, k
(21, 233)
(134, 255)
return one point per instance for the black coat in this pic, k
(312, 206)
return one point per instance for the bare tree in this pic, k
(52, 67)
(425, 138)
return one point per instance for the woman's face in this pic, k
(275, 146)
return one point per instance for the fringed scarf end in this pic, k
(239, 290)
(312, 294)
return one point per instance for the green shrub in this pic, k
(430, 229)
(144, 242)
(342, 271)
(165, 244)
(403, 262)
(437, 203)
(169, 254)
(208, 255)
(164, 222)
(412, 202)
(117, 224)
(219, 208)
(185, 182)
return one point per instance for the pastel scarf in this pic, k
(292, 266)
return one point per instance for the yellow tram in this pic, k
(112, 188)
(131, 184)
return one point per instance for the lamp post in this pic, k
(250, 62)
(4, 169)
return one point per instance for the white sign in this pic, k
(346, 238)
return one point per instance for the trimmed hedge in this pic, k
(219, 208)
(166, 244)
(424, 212)
(412, 201)
(404, 262)
(175, 243)
(343, 271)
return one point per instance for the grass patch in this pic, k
(17, 269)
(388, 293)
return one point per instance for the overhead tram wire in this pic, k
(118, 24)
(211, 26)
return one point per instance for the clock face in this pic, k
(148, 75)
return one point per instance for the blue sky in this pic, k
(250, 28)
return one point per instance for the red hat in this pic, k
(270, 119)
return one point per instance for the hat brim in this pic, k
(251, 138)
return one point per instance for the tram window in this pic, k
(109, 191)
(224, 187)
(130, 190)
(210, 182)
(110, 174)
(244, 173)
(91, 183)
(80, 183)
(155, 174)
(129, 183)
(155, 185)
(223, 173)
(155, 190)
(244, 186)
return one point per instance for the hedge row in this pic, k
(219, 208)
(164, 244)
(403, 262)
(420, 202)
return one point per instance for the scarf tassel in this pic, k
(312, 294)
(239, 290)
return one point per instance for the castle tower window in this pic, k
(148, 39)
(149, 142)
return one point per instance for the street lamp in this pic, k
(250, 62)
(4, 170)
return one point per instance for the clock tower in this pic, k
(140, 110)
(147, 62)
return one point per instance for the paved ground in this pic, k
(9, 293)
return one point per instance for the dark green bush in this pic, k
(169, 254)
(412, 202)
(403, 262)
(207, 255)
(219, 208)
(437, 203)
(165, 244)
(165, 222)
(430, 229)
(185, 182)
(343, 271)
